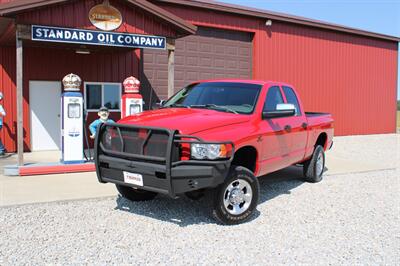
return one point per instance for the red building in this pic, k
(348, 72)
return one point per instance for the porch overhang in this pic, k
(16, 30)
(13, 8)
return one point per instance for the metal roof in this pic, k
(18, 6)
(265, 14)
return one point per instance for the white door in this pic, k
(45, 104)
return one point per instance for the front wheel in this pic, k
(236, 199)
(135, 194)
(313, 169)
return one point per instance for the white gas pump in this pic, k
(132, 101)
(72, 120)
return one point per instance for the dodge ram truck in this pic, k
(216, 134)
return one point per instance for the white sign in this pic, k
(134, 179)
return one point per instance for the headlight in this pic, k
(208, 151)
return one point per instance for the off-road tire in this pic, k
(310, 169)
(135, 194)
(220, 212)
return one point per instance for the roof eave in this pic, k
(236, 9)
(167, 16)
(14, 7)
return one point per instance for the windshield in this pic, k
(220, 96)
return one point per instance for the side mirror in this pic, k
(158, 105)
(282, 110)
(161, 103)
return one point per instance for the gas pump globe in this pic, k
(132, 101)
(72, 120)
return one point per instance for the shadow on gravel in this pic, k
(184, 211)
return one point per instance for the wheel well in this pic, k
(321, 140)
(246, 157)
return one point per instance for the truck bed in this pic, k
(313, 114)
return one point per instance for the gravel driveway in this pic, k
(345, 219)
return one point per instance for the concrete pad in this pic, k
(32, 158)
(352, 154)
(46, 188)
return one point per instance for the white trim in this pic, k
(102, 95)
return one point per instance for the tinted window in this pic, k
(240, 97)
(274, 97)
(103, 94)
(93, 96)
(112, 96)
(291, 98)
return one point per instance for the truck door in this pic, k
(299, 127)
(274, 137)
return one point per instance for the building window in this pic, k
(102, 94)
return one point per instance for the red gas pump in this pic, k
(132, 101)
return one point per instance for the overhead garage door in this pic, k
(211, 53)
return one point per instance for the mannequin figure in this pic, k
(103, 118)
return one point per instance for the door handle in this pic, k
(304, 125)
(288, 128)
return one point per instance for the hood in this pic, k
(186, 120)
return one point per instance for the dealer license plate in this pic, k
(134, 179)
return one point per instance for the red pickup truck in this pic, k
(215, 134)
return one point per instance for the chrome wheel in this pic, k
(238, 196)
(320, 164)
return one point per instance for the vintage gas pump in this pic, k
(72, 120)
(132, 101)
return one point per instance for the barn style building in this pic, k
(348, 72)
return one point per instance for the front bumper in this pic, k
(183, 178)
(161, 175)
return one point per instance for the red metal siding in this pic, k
(7, 87)
(74, 14)
(351, 76)
(53, 64)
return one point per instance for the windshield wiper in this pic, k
(214, 107)
(176, 105)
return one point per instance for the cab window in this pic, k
(291, 98)
(274, 97)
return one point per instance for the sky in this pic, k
(381, 16)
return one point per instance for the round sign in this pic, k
(105, 17)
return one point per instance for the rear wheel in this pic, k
(135, 194)
(313, 169)
(236, 199)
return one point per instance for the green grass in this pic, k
(398, 119)
(398, 114)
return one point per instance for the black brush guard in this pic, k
(163, 172)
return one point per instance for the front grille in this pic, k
(138, 141)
